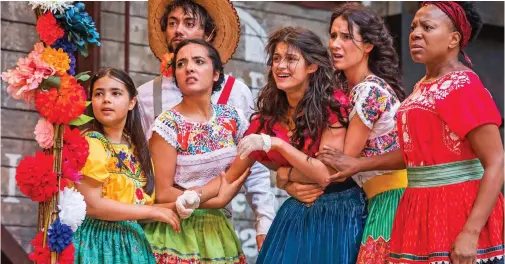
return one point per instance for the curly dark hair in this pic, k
(213, 55)
(312, 112)
(383, 60)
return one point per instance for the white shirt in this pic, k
(257, 185)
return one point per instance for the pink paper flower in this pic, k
(29, 73)
(44, 133)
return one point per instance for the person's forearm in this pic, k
(388, 161)
(111, 210)
(314, 169)
(168, 195)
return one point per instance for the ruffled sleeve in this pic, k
(370, 102)
(166, 126)
(466, 106)
(96, 164)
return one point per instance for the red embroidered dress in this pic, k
(444, 173)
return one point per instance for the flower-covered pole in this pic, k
(46, 79)
(49, 212)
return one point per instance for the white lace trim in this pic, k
(167, 133)
(198, 170)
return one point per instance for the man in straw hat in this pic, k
(216, 21)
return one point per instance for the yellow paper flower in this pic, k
(56, 58)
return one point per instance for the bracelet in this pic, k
(289, 174)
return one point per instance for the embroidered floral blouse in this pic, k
(203, 149)
(376, 104)
(120, 183)
(434, 120)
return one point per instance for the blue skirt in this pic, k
(329, 231)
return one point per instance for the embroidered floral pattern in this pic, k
(374, 251)
(424, 98)
(372, 103)
(371, 99)
(121, 160)
(382, 144)
(198, 138)
(166, 258)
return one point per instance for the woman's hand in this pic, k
(345, 165)
(229, 190)
(253, 142)
(464, 250)
(305, 193)
(162, 214)
(282, 176)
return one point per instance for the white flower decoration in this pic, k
(72, 208)
(53, 6)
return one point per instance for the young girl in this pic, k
(191, 144)
(118, 178)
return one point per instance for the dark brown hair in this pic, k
(383, 60)
(213, 54)
(312, 112)
(133, 126)
(194, 10)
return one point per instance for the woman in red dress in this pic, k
(452, 209)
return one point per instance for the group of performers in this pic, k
(374, 176)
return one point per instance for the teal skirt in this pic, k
(111, 242)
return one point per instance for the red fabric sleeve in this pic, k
(342, 98)
(468, 107)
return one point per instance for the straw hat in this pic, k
(222, 12)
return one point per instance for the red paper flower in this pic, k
(48, 30)
(36, 179)
(40, 254)
(75, 148)
(166, 65)
(63, 105)
(139, 193)
(67, 255)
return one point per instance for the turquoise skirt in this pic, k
(111, 242)
(329, 231)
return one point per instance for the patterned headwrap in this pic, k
(458, 17)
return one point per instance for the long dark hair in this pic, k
(312, 112)
(133, 126)
(383, 60)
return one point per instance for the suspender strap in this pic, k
(225, 95)
(157, 99)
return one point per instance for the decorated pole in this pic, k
(47, 80)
